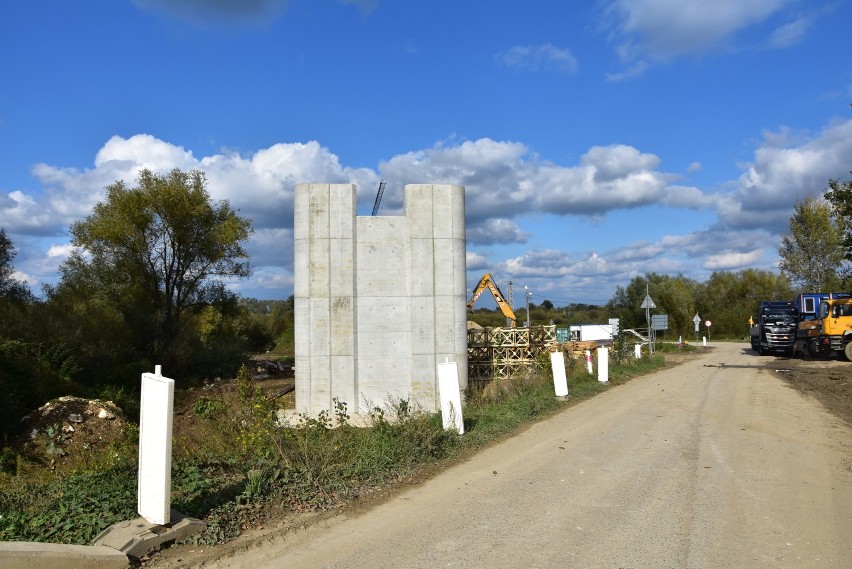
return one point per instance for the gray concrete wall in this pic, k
(379, 300)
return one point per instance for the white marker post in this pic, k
(637, 351)
(155, 447)
(589, 361)
(450, 394)
(560, 382)
(603, 365)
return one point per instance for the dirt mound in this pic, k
(72, 429)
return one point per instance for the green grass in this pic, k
(251, 467)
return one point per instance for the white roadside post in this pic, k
(637, 351)
(155, 447)
(589, 361)
(560, 381)
(450, 395)
(603, 365)
(157, 523)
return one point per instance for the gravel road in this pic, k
(714, 463)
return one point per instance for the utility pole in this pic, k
(648, 304)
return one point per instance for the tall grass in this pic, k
(240, 462)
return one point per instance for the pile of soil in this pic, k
(67, 429)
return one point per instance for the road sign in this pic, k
(696, 321)
(707, 323)
(660, 322)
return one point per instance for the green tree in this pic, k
(156, 255)
(812, 253)
(839, 195)
(10, 288)
(15, 297)
(728, 299)
(673, 295)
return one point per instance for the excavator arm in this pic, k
(487, 282)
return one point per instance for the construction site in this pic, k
(500, 352)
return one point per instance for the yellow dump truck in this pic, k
(833, 329)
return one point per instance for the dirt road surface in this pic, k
(717, 462)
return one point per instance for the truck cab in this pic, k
(834, 327)
(774, 330)
(808, 331)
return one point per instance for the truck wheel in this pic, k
(847, 351)
(813, 349)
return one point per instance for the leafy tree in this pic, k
(29, 376)
(673, 295)
(812, 253)
(152, 258)
(15, 297)
(728, 299)
(839, 195)
(10, 288)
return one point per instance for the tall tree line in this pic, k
(145, 286)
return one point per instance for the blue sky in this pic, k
(597, 141)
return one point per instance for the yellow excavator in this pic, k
(487, 282)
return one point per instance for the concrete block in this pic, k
(319, 267)
(301, 207)
(303, 379)
(422, 263)
(344, 382)
(383, 377)
(319, 328)
(302, 323)
(301, 258)
(378, 344)
(342, 319)
(458, 223)
(444, 267)
(341, 267)
(384, 314)
(391, 283)
(383, 257)
(424, 382)
(442, 212)
(320, 388)
(423, 325)
(139, 537)
(319, 211)
(32, 555)
(418, 209)
(341, 211)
